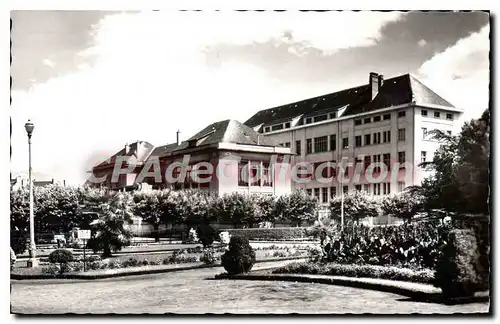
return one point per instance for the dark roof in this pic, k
(140, 155)
(395, 91)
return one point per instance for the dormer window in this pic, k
(308, 120)
(277, 127)
(287, 125)
(192, 143)
(320, 118)
(333, 115)
(267, 129)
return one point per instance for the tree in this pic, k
(152, 207)
(19, 219)
(57, 208)
(357, 205)
(297, 207)
(235, 208)
(109, 231)
(403, 205)
(264, 210)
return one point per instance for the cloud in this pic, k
(48, 62)
(150, 77)
(461, 73)
(422, 43)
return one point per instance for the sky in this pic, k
(91, 81)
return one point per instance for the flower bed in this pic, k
(358, 271)
(271, 234)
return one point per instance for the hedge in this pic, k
(358, 271)
(271, 234)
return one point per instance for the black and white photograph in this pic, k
(259, 162)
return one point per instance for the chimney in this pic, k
(127, 148)
(380, 81)
(374, 83)
(178, 137)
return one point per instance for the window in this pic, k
(254, 174)
(449, 116)
(287, 125)
(309, 192)
(298, 147)
(387, 136)
(357, 141)
(368, 120)
(424, 132)
(401, 186)
(401, 157)
(401, 113)
(320, 144)
(367, 161)
(309, 146)
(357, 122)
(345, 143)
(423, 112)
(333, 192)
(267, 178)
(386, 188)
(357, 187)
(376, 189)
(376, 138)
(437, 114)
(402, 134)
(387, 160)
(368, 139)
(423, 156)
(308, 120)
(333, 142)
(366, 188)
(345, 189)
(324, 195)
(376, 159)
(277, 127)
(333, 115)
(286, 144)
(320, 118)
(376, 119)
(243, 173)
(316, 193)
(267, 129)
(387, 116)
(448, 133)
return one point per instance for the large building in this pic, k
(385, 121)
(228, 154)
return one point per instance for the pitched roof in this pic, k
(139, 150)
(395, 91)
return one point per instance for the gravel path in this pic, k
(189, 292)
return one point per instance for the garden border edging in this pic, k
(397, 287)
(133, 273)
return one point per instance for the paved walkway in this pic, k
(189, 292)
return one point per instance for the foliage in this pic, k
(460, 170)
(264, 208)
(297, 207)
(180, 257)
(193, 236)
(57, 209)
(208, 256)
(12, 258)
(224, 237)
(456, 272)
(359, 271)
(412, 245)
(153, 207)
(357, 205)
(109, 231)
(207, 234)
(240, 257)
(236, 208)
(321, 232)
(403, 205)
(63, 257)
(271, 234)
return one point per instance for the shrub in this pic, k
(208, 256)
(131, 262)
(456, 272)
(63, 257)
(271, 234)
(52, 269)
(240, 257)
(94, 265)
(358, 271)
(180, 257)
(115, 264)
(207, 234)
(192, 236)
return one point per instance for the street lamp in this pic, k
(32, 262)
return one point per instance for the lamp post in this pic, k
(32, 262)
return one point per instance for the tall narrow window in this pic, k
(367, 161)
(368, 139)
(424, 133)
(386, 187)
(423, 112)
(402, 134)
(345, 143)
(401, 157)
(298, 147)
(376, 138)
(255, 173)
(324, 195)
(333, 192)
(366, 188)
(267, 179)
(387, 161)
(401, 113)
(316, 193)
(423, 156)
(243, 173)
(309, 192)
(387, 136)
(309, 146)
(333, 142)
(345, 189)
(357, 140)
(401, 186)
(376, 189)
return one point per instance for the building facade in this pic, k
(385, 121)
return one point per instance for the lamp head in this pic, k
(29, 126)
